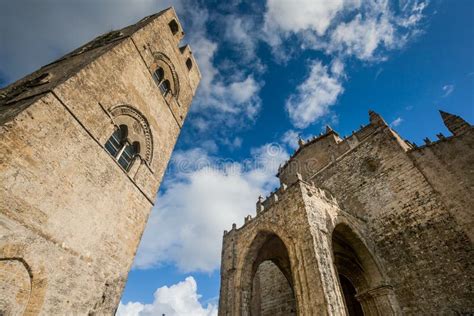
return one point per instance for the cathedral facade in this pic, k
(84, 143)
(369, 224)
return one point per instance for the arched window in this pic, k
(158, 75)
(121, 149)
(161, 82)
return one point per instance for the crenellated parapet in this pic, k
(317, 152)
(320, 151)
(454, 123)
(264, 205)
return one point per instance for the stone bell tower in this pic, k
(84, 143)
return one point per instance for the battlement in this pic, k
(319, 151)
(331, 143)
(263, 205)
(397, 210)
(454, 123)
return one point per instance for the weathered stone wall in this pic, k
(313, 156)
(321, 151)
(271, 293)
(67, 209)
(43, 192)
(448, 165)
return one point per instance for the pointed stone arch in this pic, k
(268, 251)
(357, 266)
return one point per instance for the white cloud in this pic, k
(315, 95)
(447, 90)
(396, 122)
(364, 29)
(233, 99)
(361, 37)
(337, 67)
(298, 15)
(239, 30)
(205, 197)
(413, 12)
(290, 138)
(232, 144)
(180, 299)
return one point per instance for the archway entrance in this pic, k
(361, 282)
(267, 283)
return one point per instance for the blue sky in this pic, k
(272, 70)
